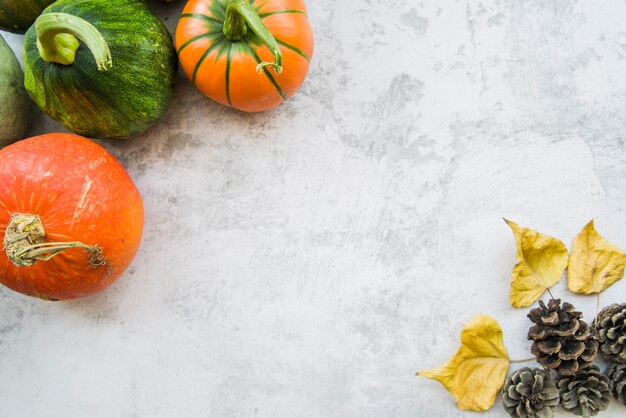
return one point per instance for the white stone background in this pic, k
(306, 262)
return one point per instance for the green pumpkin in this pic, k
(13, 98)
(17, 15)
(116, 82)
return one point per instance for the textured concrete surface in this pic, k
(306, 262)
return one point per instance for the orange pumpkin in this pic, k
(227, 47)
(70, 216)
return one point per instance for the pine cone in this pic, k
(611, 326)
(530, 393)
(562, 341)
(617, 381)
(586, 393)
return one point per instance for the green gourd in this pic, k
(13, 98)
(102, 68)
(17, 15)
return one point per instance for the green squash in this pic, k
(17, 15)
(14, 101)
(116, 82)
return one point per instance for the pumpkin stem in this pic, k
(24, 243)
(241, 15)
(56, 39)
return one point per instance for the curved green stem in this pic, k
(241, 15)
(56, 39)
(24, 243)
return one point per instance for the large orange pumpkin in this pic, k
(248, 54)
(70, 217)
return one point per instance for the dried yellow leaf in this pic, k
(595, 264)
(476, 373)
(541, 260)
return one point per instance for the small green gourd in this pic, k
(102, 68)
(14, 103)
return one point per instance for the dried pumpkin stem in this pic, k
(45, 251)
(24, 243)
(56, 39)
(241, 16)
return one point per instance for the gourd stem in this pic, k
(24, 243)
(56, 39)
(45, 251)
(235, 28)
(241, 15)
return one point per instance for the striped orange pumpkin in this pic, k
(247, 54)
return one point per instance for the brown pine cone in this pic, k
(530, 393)
(562, 341)
(617, 381)
(611, 329)
(586, 393)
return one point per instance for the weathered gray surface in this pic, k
(308, 261)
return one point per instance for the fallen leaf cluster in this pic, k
(563, 343)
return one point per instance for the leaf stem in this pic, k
(525, 360)
(597, 304)
(551, 295)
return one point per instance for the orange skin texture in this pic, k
(248, 90)
(81, 193)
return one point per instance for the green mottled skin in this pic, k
(13, 97)
(122, 101)
(17, 15)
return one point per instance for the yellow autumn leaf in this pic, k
(541, 260)
(594, 264)
(476, 373)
